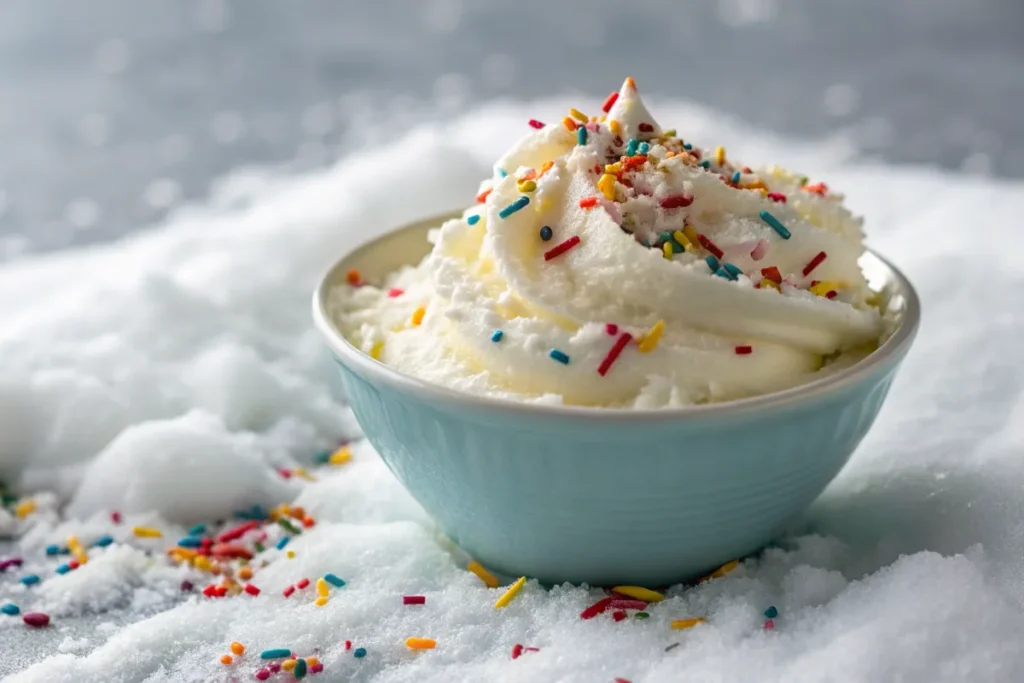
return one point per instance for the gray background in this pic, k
(112, 111)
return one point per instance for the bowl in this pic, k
(608, 496)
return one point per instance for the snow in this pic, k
(171, 374)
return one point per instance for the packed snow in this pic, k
(172, 375)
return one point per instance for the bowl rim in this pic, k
(353, 358)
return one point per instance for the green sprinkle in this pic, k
(641, 615)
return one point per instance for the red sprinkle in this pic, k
(230, 550)
(36, 619)
(613, 353)
(115, 516)
(395, 292)
(302, 584)
(831, 294)
(286, 473)
(814, 263)
(534, 123)
(414, 599)
(628, 604)
(597, 608)
(482, 197)
(769, 625)
(186, 586)
(588, 202)
(560, 249)
(237, 532)
(531, 649)
(610, 102)
(676, 201)
(772, 273)
(263, 674)
(348, 644)
(611, 328)
(73, 564)
(710, 246)
(221, 591)
(317, 668)
(633, 162)
(618, 615)
(517, 650)
(777, 197)
(210, 591)
(744, 350)
(817, 188)
(646, 128)
(354, 278)
(622, 680)
(287, 592)
(308, 522)
(251, 589)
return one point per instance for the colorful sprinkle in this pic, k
(517, 650)
(683, 624)
(710, 246)
(414, 600)
(288, 665)
(628, 604)
(631, 147)
(733, 270)
(262, 674)
(251, 589)
(706, 164)
(639, 593)
(777, 197)
(354, 277)
(36, 619)
(615, 127)
(321, 588)
(641, 615)
(598, 607)
(282, 543)
(569, 124)
(769, 625)
(300, 668)
(771, 612)
(226, 659)
(744, 350)
(814, 263)
(276, 653)
(772, 274)
(578, 115)
(52, 549)
(482, 197)
(713, 263)
(643, 147)
(420, 643)
(474, 219)
(775, 225)
(340, 456)
(561, 248)
(613, 353)
(607, 186)
(719, 155)
(588, 202)
(649, 341)
(25, 508)
(417, 316)
(676, 201)
(528, 186)
(534, 123)
(736, 177)
(29, 579)
(610, 102)
(757, 253)
(497, 335)
(546, 233)
(513, 590)
(489, 579)
(359, 652)
(514, 206)
(612, 329)
(10, 609)
(147, 532)
(581, 136)
(560, 356)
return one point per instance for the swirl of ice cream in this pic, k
(612, 263)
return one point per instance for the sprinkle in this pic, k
(598, 607)
(334, 580)
(517, 650)
(613, 353)
(282, 543)
(650, 340)
(643, 147)
(736, 177)
(560, 249)
(25, 508)
(777, 197)
(560, 356)
(775, 225)
(287, 592)
(482, 197)
(534, 123)
(489, 579)
(302, 584)
(607, 186)
(288, 665)
(514, 589)
(321, 588)
(612, 329)
(36, 619)
(706, 164)
(546, 233)
(290, 554)
(417, 316)
(814, 263)
(354, 277)
(713, 263)
(639, 593)
(817, 188)
(691, 234)
(62, 568)
(513, 207)
(641, 615)
(710, 246)
(769, 625)
(823, 288)
(615, 127)
(359, 653)
(719, 155)
(340, 456)
(52, 549)
(618, 615)
(545, 167)
(497, 335)
(226, 659)
(723, 570)
(733, 270)
(472, 220)
(300, 668)
(628, 604)
(251, 589)
(588, 202)
(683, 624)
(29, 579)
(666, 249)
(578, 115)
(501, 172)
(569, 124)
(276, 653)
(744, 350)
(676, 201)
(190, 542)
(631, 147)
(262, 674)
(581, 136)
(771, 612)
(245, 573)
(421, 643)
(772, 274)
(414, 599)
(528, 186)
(312, 661)
(10, 609)
(757, 253)
(610, 102)
(146, 532)
(672, 647)
(320, 601)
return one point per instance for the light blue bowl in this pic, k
(609, 496)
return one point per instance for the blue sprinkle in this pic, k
(706, 163)
(631, 147)
(496, 337)
(359, 653)
(53, 549)
(775, 225)
(190, 542)
(323, 457)
(687, 146)
(736, 177)
(200, 529)
(334, 580)
(10, 609)
(474, 219)
(581, 136)
(560, 356)
(514, 206)
(722, 272)
(771, 612)
(501, 172)
(63, 568)
(282, 543)
(30, 579)
(104, 541)
(732, 270)
(546, 233)
(644, 148)
(276, 653)
(712, 263)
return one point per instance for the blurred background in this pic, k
(112, 112)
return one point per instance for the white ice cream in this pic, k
(712, 281)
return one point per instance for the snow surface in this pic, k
(170, 374)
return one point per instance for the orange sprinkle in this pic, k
(634, 161)
(420, 643)
(354, 277)
(588, 202)
(417, 315)
(482, 197)
(529, 175)
(237, 648)
(545, 167)
(312, 661)
(226, 659)
(245, 573)
(489, 579)
(569, 124)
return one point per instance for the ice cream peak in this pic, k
(610, 262)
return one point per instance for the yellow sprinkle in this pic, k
(226, 659)
(302, 473)
(607, 186)
(768, 284)
(25, 508)
(312, 661)
(666, 249)
(201, 562)
(321, 601)
(723, 570)
(237, 647)
(601, 118)
(489, 579)
(640, 593)
(615, 127)
(613, 168)
(290, 554)
(719, 155)
(681, 237)
(683, 624)
(823, 287)
(420, 643)
(578, 115)
(511, 593)
(417, 315)
(147, 532)
(322, 589)
(527, 186)
(340, 456)
(650, 340)
(670, 133)
(691, 234)
(288, 665)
